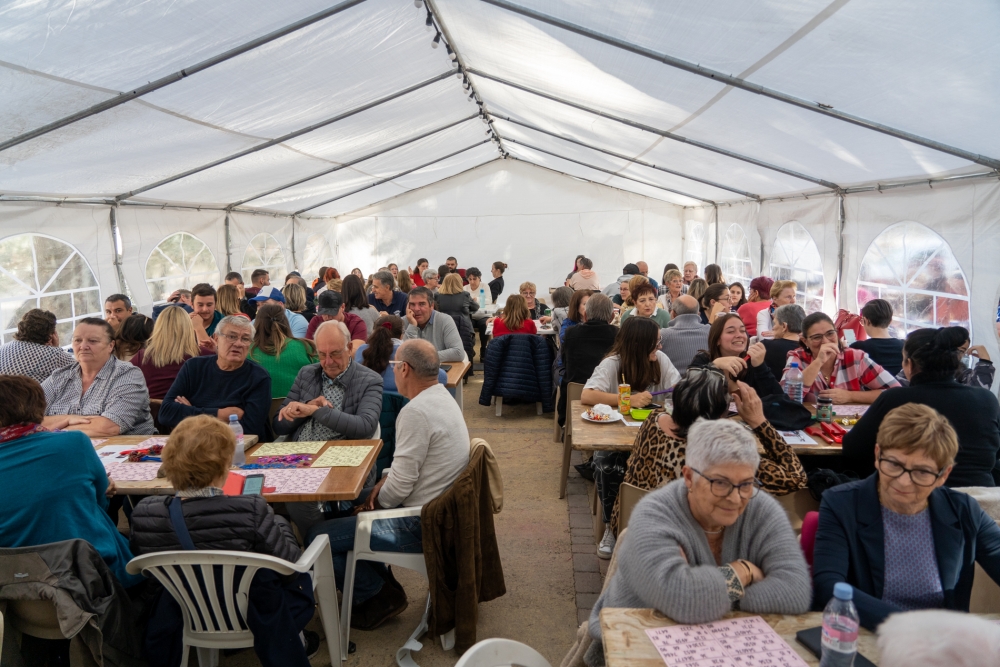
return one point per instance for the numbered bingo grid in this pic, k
(737, 642)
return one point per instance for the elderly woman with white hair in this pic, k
(709, 543)
(935, 638)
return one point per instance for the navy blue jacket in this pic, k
(518, 366)
(396, 307)
(850, 546)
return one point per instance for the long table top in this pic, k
(341, 483)
(456, 372)
(618, 436)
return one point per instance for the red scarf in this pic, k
(15, 431)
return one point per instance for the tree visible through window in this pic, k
(179, 261)
(796, 257)
(736, 265)
(263, 252)
(915, 270)
(39, 271)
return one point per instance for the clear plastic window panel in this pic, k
(39, 271)
(263, 252)
(694, 245)
(915, 270)
(179, 261)
(796, 257)
(318, 253)
(736, 265)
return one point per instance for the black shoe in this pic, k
(312, 643)
(586, 470)
(388, 602)
(389, 578)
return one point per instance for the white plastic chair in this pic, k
(176, 570)
(363, 551)
(498, 652)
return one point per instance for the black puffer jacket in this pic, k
(227, 523)
(518, 366)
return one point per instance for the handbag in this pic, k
(848, 320)
(785, 414)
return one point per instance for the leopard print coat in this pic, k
(658, 458)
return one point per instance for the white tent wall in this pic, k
(533, 219)
(744, 215)
(245, 227)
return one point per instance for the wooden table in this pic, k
(340, 484)
(591, 436)
(626, 642)
(455, 380)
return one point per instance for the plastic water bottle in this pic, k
(239, 457)
(482, 297)
(840, 628)
(793, 383)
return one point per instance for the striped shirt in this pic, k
(36, 361)
(118, 393)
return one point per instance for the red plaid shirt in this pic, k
(853, 370)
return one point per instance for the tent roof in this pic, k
(319, 109)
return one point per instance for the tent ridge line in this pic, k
(587, 180)
(608, 171)
(743, 84)
(164, 81)
(634, 160)
(391, 178)
(360, 159)
(286, 137)
(663, 133)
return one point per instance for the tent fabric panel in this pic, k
(29, 100)
(744, 215)
(243, 227)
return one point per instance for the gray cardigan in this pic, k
(442, 332)
(652, 573)
(362, 403)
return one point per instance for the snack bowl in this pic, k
(640, 414)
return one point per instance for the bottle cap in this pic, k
(795, 364)
(232, 418)
(843, 591)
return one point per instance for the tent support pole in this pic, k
(658, 132)
(608, 171)
(841, 221)
(115, 237)
(715, 209)
(286, 137)
(229, 245)
(162, 82)
(295, 262)
(743, 84)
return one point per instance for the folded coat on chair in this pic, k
(518, 366)
(461, 553)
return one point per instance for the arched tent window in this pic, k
(796, 257)
(914, 269)
(39, 271)
(318, 254)
(263, 252)
(736, 266)
(179, 261)
(694, 245)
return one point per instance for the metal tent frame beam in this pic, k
(162, 82)
(743, 84)
(351, 163)
(391, 178)
(657, 131)
(608, 171)
(637, 161)
(286, 137)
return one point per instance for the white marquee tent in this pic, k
(851, 145)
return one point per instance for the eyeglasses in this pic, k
(527, 293)
(721, 488)
(233, 339)
(818, 338)
(918, 476)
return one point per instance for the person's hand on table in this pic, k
(223, 413)
(757, 351)
(61, 424)
(978, 351)
(544, 319)
(748, 405)
(296, 410)
(731, 366)
(641, 399)
(839, 396)
(182, 401)
(110, 491)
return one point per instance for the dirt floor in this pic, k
(539, 608)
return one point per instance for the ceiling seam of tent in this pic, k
(633, 160)
(436, 18)
(358, 160)
(736, 82)
(392, 178)
(592, 182)
(662, 133)
(286, 137)
(179, 75)
(608, 171)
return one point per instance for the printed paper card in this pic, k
(797, 438)
(111, 455)
(151, 442)
(342, 457)
(737, 642)
(133, 472)
(97, 442)
(282, 448)
(290, 480)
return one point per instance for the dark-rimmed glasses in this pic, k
(919, 476)
(721, 488)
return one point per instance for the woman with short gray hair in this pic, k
(787, 327)
(709, 543)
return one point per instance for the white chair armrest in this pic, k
(363, 529)
(309, 557)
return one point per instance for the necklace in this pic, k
(713, 532)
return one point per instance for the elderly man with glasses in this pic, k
(224, 384)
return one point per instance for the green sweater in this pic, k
(284, 369)
(661, 316)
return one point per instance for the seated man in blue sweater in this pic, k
(222, 385)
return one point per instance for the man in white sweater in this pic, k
(432, 450)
